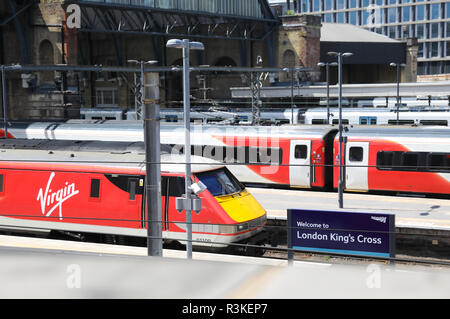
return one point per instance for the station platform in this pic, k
(410, 212)
(48, 269)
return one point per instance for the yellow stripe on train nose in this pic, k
(241, 206)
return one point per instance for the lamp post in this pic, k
(186, 46)
(327, 65)
(149, 97)
(398, 66)
(340, 55)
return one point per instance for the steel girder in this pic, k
(100, 17)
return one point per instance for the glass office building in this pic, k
(428, 20)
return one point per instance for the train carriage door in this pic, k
(300, 163)
(357, 165)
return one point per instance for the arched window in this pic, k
(288, 59)
(46, 52)
(46, 57)
(225, 61)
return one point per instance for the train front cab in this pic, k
(229, 214)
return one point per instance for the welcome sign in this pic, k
(354, 233)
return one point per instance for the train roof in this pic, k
(129, 155)
(133, 130)
(397, 131)
(378, 110)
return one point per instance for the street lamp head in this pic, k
(196, 46)
(321, 64)
(332, 53)
(346, 54)
(179, 44)
(397, 64)
(174, 43)
(333, 64)
(145, 62)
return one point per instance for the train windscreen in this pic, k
(220, 182)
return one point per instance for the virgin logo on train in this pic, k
(51, 200)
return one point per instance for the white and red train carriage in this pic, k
(98, 188)
(400, 159)
(382, 158)
(291, 156)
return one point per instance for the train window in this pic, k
(373, 121)
(1, 183)
(356, 154)
(344, 121)
(434, 122)
(95, 188)
(400, 122)
(301, 151)
(439, 162)
(413, 161)
(220, 182)
(132, 183)
(410, 160)
(176, 186)
(363, 120)
(385, 160)
(318, 121)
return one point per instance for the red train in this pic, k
(382, 158)
(89, 188)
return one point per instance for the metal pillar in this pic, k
(340, 55)
(340, 185)
(149, 100)
(186, 203)
(5, 104)
(187, 142)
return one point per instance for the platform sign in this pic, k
(354, 233)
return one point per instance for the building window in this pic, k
(405, 30)
(106, 97)
(434, 68)
(316, 5)
(434, 49)
(305, 6)
(406, 14)
(434, 11)
(447, 66)
(447, 32)
(434, 30)
(340, 4)
(420, 31)
(420, 52)
(328, 5)
(392, 15)
(421, 68)
(353, 17)
(420, 12)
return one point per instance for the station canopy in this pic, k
(225, 19)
